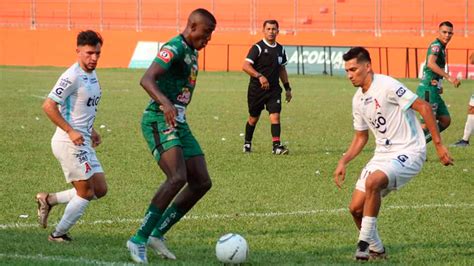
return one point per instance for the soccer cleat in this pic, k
(43, 208)
(362, 252)
(374, 255)
(159, 247)
(247, 148)
(60, 239)
(461, 143)
(137, 252)
(280, 150)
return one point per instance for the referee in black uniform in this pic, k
(265, 64)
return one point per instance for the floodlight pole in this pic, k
(33, 15)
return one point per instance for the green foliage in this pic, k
(287, 207)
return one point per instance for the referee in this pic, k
(265, 64)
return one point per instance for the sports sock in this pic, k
(152, 216)
(61, 197)
(276, 131)
(367, 230)
(73, 211)
(249, 129)
(376, 244)
(469, 127)
(428, 136)
(171, 216)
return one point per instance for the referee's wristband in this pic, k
(258, 76)
(287, 86)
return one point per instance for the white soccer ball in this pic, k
(232, 248)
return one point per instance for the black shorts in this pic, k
(258, 99)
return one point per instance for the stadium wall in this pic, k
(226, 51)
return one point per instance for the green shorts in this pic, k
(437, 103)
(161, 138)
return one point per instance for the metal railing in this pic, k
(375, 16)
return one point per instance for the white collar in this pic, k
(270, 45)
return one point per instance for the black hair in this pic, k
(360, 53)
(203, 12)
(271, 21)
(446, 23)
(89, 37)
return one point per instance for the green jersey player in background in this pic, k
(170, 82)
(430, 86)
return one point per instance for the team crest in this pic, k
(165, 55)
(280, 59)
(435, 49)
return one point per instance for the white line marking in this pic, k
(39, 97)
(61, 259)
(255, 214)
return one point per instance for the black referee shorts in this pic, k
(258, 99)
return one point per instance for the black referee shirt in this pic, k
(267, 60)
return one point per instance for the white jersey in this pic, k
(78, 93)
(385, 109)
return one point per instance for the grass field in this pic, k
(287, 208)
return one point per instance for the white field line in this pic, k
(256, 214)
(41, 257)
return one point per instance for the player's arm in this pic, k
(148, 82)
(358, 143)
(286, 83)
(96, 138)
(250, 70)
(50, 107)
(436, 69)
(426, 112)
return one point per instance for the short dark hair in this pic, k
(271, 21)
(203, 12)
(360, 53)
(89, 37)
(446, 23)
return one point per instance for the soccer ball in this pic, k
(232, 248)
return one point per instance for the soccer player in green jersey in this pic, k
(430, 86)
(170, 82)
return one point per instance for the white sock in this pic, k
(376, 244)
(74, 210)
(65, 196)
(468, 127)
(367, 230)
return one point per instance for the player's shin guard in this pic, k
(171, 216)
(74, 210)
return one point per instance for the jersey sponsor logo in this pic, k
(93, 101)
(435, 49)
(58, 91)
(368, 100)
(84, 78)
(64, 82)
(93, 80)
(184, 96)
(401, 91)
(165, 55)
(379, 123)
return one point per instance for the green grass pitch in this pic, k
(287, 208)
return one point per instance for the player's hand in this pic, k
(264, 83)
(340, 174)
(170, 113)
(454, 81)
(76, 137)
(96, 139)
(444, 155)
(288, 96)
(440, 90)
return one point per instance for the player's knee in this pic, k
(101, 192)
(373, 185)
(87, 194)
(176, 181)
(355, 211)
(206, 186)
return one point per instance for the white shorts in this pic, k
(399, 167)
(78, 162)
(471, 102)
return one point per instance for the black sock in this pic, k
(276, 131)
(428, 134)
(249, 129)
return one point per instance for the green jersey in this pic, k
(438, 49)
(181, 63)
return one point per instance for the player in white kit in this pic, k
(386, 107)
(77, 92)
